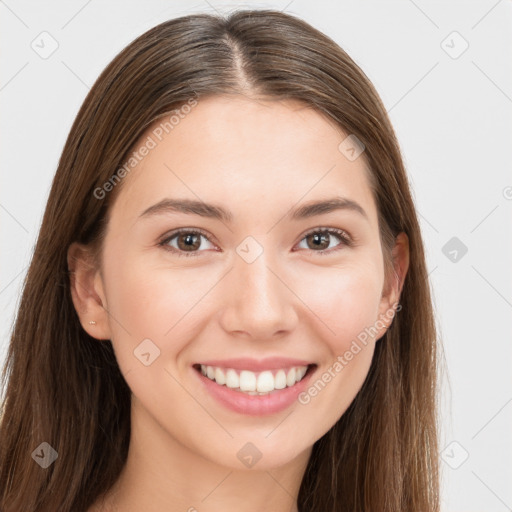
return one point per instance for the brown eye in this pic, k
(188, 241)
(320, 240)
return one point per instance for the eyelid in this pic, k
(341, 233)
(346, 239)
(172, 234)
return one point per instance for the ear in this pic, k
(87, 291)
(393, 284)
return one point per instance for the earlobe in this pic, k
(391, 298)
(86, 289)
(400, 255)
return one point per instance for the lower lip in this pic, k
(255, 405)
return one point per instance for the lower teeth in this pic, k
(252, 393)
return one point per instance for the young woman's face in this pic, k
(259, 289)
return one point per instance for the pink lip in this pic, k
(255, 405)
(254, 365)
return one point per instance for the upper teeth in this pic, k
(252, 382)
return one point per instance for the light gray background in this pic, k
(453, 120)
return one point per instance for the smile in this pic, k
(254, 383)
(255, 387)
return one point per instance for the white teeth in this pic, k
(252, 383)
(219, 376)
(290, 378)
(247, 381)
(280, 380)
(232, 379)
(265, 382)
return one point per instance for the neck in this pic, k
(162, 474)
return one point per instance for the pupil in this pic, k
(188, 240)
(318, 238)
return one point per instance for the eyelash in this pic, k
(345, 238)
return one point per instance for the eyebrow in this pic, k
(213, 211)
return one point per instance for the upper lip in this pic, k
(256, 365)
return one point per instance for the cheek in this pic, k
(335, 304)
(345, 301)
(172, 307)
(147, 301)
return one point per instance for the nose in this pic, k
(259, 302)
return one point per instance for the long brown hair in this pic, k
(63, 387)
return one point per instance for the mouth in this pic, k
(255, 383)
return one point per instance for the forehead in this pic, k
(247, 154)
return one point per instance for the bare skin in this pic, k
(260, 160)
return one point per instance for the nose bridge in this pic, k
(261, 304)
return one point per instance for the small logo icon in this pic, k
(45, 45)
(454, 249)
(250, 249)
(146, 352)
(44, 455)
(455, 455)
(249, 455)
(454, 45)
(351, 147)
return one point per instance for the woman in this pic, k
(228, 305)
